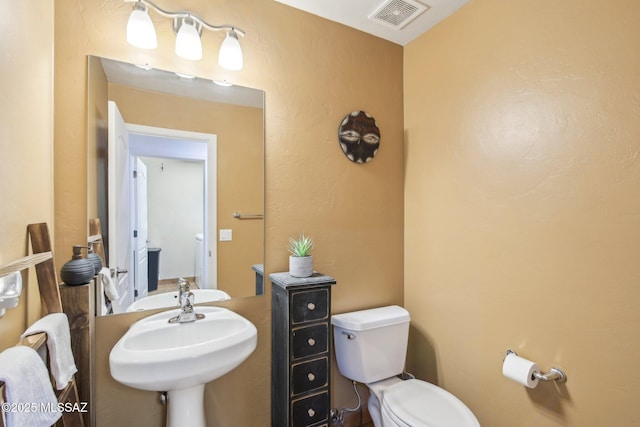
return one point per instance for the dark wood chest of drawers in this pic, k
(301, 350)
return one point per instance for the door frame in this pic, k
(193, 146)
(140, 248)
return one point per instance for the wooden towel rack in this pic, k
(42, 260)
(95, 238)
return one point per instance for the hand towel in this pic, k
(56, 326)
(30, 398)
(102, 302)
(108, 285)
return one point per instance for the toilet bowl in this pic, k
(370, 348)
(418, 403)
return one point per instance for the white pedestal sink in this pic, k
(180, 358)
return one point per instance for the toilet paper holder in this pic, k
(554, 374)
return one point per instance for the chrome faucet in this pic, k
(185, 297)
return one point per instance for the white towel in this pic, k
(30, 398)
(56, 326)
(109, 287)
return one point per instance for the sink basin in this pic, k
(180, 358)
(170, 299)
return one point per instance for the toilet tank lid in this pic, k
(371, 318)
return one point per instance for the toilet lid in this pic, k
(415, 403)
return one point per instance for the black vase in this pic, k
(95, 260)
(79, 270)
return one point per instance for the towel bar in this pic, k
(238, 215)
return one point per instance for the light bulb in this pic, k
(188, 43)
(140, 30)
(230, 56)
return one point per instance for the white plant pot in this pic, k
(300, 266)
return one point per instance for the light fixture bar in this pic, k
(187, 14)
(188, 28)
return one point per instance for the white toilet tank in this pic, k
(371, 345)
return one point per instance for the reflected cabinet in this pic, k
(301, 350)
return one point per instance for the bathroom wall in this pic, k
(522, 225)
(314, 72)
(26, 144)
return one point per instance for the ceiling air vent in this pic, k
(398, 13)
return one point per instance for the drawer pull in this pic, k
(311, 413)
(311, 342)
(311, 306)
(311, 376)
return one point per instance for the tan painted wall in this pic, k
(26, 144)
(521, 207)
(97, 143)
(314, 72)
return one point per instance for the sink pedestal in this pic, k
(185, 407)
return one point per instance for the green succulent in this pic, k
(300, 247)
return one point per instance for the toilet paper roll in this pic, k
(520, 370)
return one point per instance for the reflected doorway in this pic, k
(181, 203)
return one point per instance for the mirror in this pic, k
(176, 178)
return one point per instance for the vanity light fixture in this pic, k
(230, 56)
(188, 28)
(188, 42)
(140, 30)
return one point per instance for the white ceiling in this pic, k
(167, 82)
(355, 13)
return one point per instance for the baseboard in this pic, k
(191, 280)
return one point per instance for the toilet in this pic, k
(370, 347)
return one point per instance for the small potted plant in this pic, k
(300, 262)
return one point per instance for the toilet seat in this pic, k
(375, 396)
(416, 403)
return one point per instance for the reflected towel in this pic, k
(56, 326)
(27, 387)
(108, 285)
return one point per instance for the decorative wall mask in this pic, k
(359, 137)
